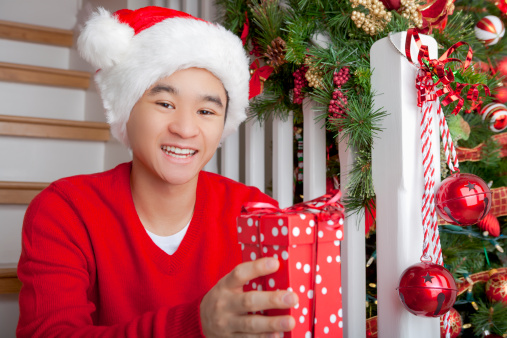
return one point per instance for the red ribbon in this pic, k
(328, 206)
(429, 90)
(246, 29)
(259, 75)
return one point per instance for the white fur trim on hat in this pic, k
(130, 64)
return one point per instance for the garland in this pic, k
(290, 65)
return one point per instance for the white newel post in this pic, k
(314, 152)
(283, 163)
(398, 180)
(254, 154)
(353, 256)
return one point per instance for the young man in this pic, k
(149, 248)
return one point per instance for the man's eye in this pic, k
(206, 112)
(165, 104)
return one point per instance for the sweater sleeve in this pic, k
(57, 270)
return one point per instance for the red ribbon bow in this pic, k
(328, 206)
(258, 77)
(428, 89)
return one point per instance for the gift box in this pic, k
(306, 240)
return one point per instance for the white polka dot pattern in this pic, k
(288, 237)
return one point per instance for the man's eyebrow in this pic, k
(212, 98)
(162, 88)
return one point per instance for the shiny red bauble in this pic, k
(496, 287)
(427, 289)
(501, 94)
(463, 199)
(391, 4)
(455, 322)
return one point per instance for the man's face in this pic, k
(175, 127)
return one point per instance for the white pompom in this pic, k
(104, 39)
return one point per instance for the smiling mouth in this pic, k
(178, 152)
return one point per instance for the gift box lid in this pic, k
(299, 228)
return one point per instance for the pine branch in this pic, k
(267, 17)
(492, 317)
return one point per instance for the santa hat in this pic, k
(133, 49)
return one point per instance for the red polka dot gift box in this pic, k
(306, 240)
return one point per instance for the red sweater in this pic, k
(89, 268)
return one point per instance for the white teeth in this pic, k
(178, 152)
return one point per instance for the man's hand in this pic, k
(224, 308)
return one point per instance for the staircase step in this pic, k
(19, 192)
(44, 76)
(9, 282)
(38, 34)
(53, 128)
(47, 159)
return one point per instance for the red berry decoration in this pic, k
(337, 104)
(300, 82)
(496, 287)
(455, 322)
(427, 289)
(496, 115)
(463, 199)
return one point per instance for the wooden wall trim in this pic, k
(12, 72)
(9, 282)
(53, 128)
(38, 34)
(20, 192)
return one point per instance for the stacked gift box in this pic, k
(306, 240)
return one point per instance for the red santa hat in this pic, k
(133, 49)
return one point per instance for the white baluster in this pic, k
(283, 163)
(254, 154)
(314, 152)
(353, 256)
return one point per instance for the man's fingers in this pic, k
(247, 271)
(263, 324)
(253, 301)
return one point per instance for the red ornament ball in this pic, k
(501, 95)
(391, 4)
(427, 289)
(501, 67)
(496, 115)
(463, 199)
(455, 322)
(496, 287)
(489, 30)
(490, 224)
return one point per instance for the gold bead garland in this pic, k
(313, 74)
(373, 22)
(410, 11)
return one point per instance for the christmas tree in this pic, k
(290, 65)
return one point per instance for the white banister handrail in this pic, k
(398, 180)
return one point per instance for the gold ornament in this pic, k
(377, 18)
(313, 74)
(410, 11)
